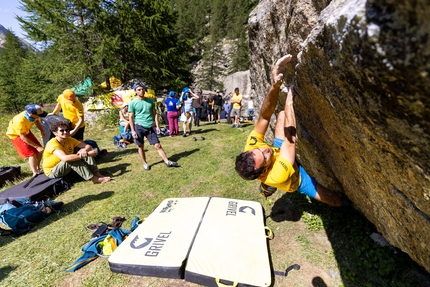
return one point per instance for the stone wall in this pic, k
(361, 74)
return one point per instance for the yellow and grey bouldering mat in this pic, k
(210, 241)
(160, 245)
(230, 248)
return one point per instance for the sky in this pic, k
(8, 10)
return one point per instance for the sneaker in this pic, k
(233, 125)
(184, 135)
(171, 164)
(146, 167)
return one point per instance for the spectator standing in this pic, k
(210, 109)
(144, 123)
(230, 107)
(217, 106)
(198, 106)
(23, 140)
(73, 110)
(251, 109)
(172, 114)
(236, 100)
(187, 116)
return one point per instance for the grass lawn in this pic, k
(332, 245)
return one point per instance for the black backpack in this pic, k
(9, 173)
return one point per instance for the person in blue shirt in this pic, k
(172, 114)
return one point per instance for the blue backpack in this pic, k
(17, 220)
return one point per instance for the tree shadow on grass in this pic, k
(4, 271)
(361, 261)
(70, 207)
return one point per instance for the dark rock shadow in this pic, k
(360, 260)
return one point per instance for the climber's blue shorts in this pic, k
(308, 184)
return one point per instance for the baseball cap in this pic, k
(35, 110)
(171, 94)
(124, 105)
(186, 90)
(139, 84)
(69, 95)
(218, 91)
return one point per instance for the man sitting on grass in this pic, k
(275, 166)
(59, 157)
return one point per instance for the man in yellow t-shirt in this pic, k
(59, 157)
(73, 110)
(236, 101)
(25, 143)
(275, 165)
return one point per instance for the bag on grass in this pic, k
(9, 173)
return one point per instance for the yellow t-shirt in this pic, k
(19, 124)
(280, 174)
(236, 97)
(71, 111)
(50, 160)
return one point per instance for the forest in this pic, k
(157, 41)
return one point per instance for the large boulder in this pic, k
(361, 71)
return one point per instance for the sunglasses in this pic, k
(63, 131)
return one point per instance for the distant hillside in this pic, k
(3, 31)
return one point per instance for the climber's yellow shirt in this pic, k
(50, 160)
(280, 174)
(72, 111)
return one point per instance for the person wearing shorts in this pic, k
(236, 100)
(275, 165)
(24, 141)
(143, 120)
(217, 106)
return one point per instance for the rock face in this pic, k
(240, 80)
(361, 71)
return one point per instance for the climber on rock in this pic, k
(275, 165)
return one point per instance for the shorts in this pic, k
(24, 150)
(308, 184)
(149, 133)
(185, 119)
(235, 112)
(217, 109)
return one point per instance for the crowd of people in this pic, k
(274, 165)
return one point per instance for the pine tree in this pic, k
(12, 93)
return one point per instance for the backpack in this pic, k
(17, 220)
(93, 144)
(9, 173)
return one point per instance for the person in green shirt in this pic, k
(143, 120)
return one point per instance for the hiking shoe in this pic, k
(146, 167)
(171, 164)
(184, 135)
